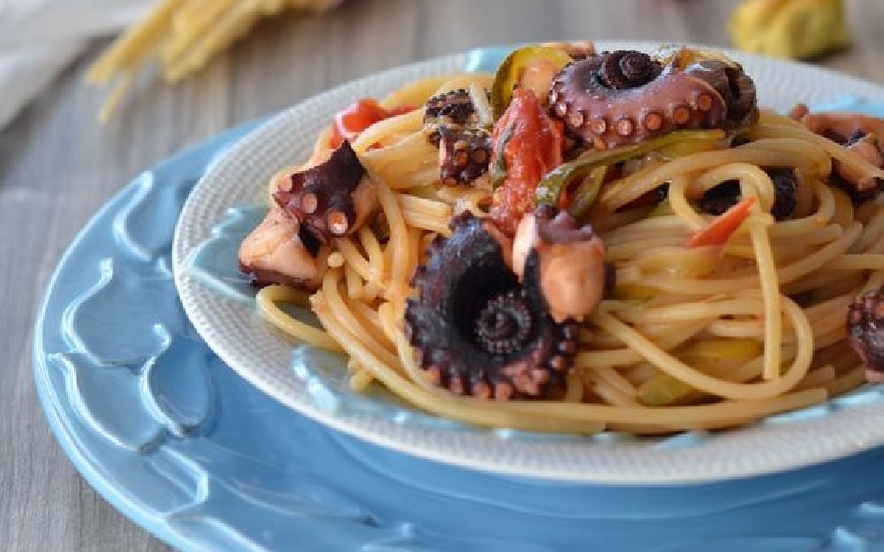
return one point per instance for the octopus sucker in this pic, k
(623, 97)
(464, 155)
(624, 126)
(476, 329)
(331, 199)
(652, 121)
(453, 110)
(598, 125)
(291, 246)
(453, 124)
(680, 113)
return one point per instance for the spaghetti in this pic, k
(718, 317)
(182, 36)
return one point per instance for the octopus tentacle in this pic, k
(280, 251)
(453, 109)
(624, 97)
(331, 199)
(859, 133)
(452, 123)
(476, 329)
(463, 154)
(572, 272)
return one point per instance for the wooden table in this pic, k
(57, 167)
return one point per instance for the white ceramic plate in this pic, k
(219, 304)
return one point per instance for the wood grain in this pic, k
(57, 167)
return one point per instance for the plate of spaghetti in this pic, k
(618, 262)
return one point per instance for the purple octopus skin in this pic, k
(722, 197)
(865, 328)
(331, 199)
(453, 110)
(475, 329)
(463, 155)
(620, 98)
(452, 124)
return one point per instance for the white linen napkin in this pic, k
(39, 38)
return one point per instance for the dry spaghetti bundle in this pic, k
(181, 36)
(728, 262)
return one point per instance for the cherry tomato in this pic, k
(528, 144)
(358, 116)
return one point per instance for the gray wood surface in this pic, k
(57, 167)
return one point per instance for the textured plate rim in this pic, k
(725, 455)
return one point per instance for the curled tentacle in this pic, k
(736, 88)
(624, 97)
(476, 329)
(464, 154)
(453, 124)
(332, 199)
(453, 110)
(626, 69)
(865, 327)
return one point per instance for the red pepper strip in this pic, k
(722, 227)
(358, 116)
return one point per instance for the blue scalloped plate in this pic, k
(186, 448)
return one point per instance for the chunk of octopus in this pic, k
(572, 263)
(475, 329)
(624, 97)
(332, 199)
(860, 134)
(865, 330)
(278, 251)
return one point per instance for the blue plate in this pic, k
(179, 443)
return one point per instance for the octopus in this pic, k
(727, 194)
(865, 327)
(859, 133)
(572, 262)
(330, 199)
(453, 124)
(463, 155)
(623, 97)
(453, 110)
(281, 251)
(480, 326)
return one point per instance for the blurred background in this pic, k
(58, 165)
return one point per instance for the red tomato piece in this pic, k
(530, 144)
(358, 116)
